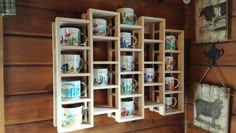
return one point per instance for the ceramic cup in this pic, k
(128, 85)
(71, 63)
(100, 27)
(126, 40)
(71, 36)
(170, 63)
(149, 74)
(127, 63)
(169, 103)
(71, 90)
(127, 107)
(170, 83)
(72, 116)
(101, 76)
(170, 42)
(127, 16)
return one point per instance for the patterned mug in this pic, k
(128, 85)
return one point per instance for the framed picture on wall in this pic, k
(211, 18)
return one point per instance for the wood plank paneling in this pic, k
(234, 103)
(233, 122)
(189, 116)
(232, 28)
(193, 129)
(27, 79)
(28, 50)
(29, 108)
(178, 128)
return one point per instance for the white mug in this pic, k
(169, 103)
(170, 83)
(127, 108)
(71, 90)
(100, 27)
(101, 76)
(127, 16)
(71, 36)
(149, 74)
(72, 116)
(128, 85)
(126, 40)
(71, 63)
(127, 63)
(170, 42)
(170, 63)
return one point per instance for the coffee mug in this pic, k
(149, 74)
(128, 85)
(71, 90)
(170, 83)
(126, 39)
(71, 63)
(170, 63)
(100, 27)
(72, 116)
(170, 42)
(71, 36)
(127, 16)
(127, 107)
(169, 103)
(127, 63)
(101, 76)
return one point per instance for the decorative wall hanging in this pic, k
(211, 18)
(211, 108)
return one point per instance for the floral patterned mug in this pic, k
(70, 36)
(128, 85)
(127, 107)
(149, 74)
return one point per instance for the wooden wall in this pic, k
(28, 64)
(198, 65)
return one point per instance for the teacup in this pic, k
(128, 85)
(127, 63)
(100, 27)
(169, 63)
(127, 16)
(169, 103)
(101, 76)
(170, 42)
(170, 83)
(127, 107)
(71, 90)
(71, 63)
(149, 74)
(126, 40)
(71, 36)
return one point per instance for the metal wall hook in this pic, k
(213, 55)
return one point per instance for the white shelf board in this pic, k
(63, 21)
(130, 72)
(173, 111)
(172, 92)
(103, 110)
(152, 84)
(130, 27)
(66, 48)
(173, 71)
(153, 62)
(130, 50)
(74, 128)
(75, 74)
(104, 62)
(152, 19)
(130, 95)
(173, 51)
(151, 41)
(104, 38)
(103, 13)
(76, 101)
(131, 118)
(105, 87)
(151, 104)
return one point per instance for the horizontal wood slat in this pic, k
(27, 79)
(28, 108)
(27, 50)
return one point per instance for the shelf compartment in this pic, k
(173, 92)
(63, 21)
(130, 72)
(178, 72)
(105, 62)
(173, 51)
(130, 50)
(75, 74)
(153, 62)
(151, 41)
(130, 95)
(103, 110)
(76, 101)
(151, 104)
(130, 27)
(152, 84)
(67, 48)
(76, 127)
(131, 118)
(152, 19)
(105, 87)
(103, 13)
(104, 38)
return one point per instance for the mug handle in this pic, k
(84, 109)
(135, 19)
(175, 102)
(135, 84)
(82, 64)
(85, 89)
(108, 30)
(85, 37)
(134, 40)
(177, 83)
